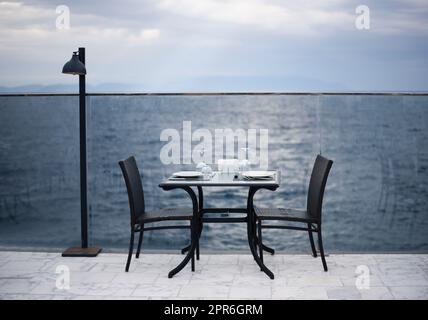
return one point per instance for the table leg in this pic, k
(200, 207)
(200, 225)
(268, 249)
(265, 247)
(194, 233)
(185, 249)
(251, 232)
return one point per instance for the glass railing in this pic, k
(376, 198)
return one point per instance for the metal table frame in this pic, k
(198, 219)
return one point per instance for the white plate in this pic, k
(187, 174)
(257, 174)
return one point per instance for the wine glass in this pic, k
(207, 171)
(201, 164)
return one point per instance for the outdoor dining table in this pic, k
(225, 180)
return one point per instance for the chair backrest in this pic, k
(317, 184)
(135, 188)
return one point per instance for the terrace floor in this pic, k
(36, 275)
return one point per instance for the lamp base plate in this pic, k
(81, 252)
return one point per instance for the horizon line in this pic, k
(213, 93)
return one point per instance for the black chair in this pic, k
(139, 215)
(311, 216)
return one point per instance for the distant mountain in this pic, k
(198, 84)
(64, 88)
(67, 88)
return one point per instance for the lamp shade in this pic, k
(74, 66)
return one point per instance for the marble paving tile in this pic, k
(151, 290)
(397, 258)
(223, 268)
(299, 293)
(397, 268)
(111, 289)
(314, 280)
(135, 278)
(423, 258)
(404, 279)
(82, 266)
(21, 286)
(101, 258)
(353, 259)
(29, 266)
(349, 274)
(374, 280)
(50, 288)
(297, 273)
(32, 275)
(347, 271)
(376, 293)
(253, 268)
(260, 279)
(200, 291)
(245, 259)
(343, 293)
(3, 262)
(155, 258)
(424, 268)
(88, 298)
(17, 256)
(110, 267)
(176, 260)
(250, 292)
(173, 298)
(296, 267)
(223, 259)
(65, 297)
(92, 277)
(26, 297)
(143, 267)
(125, 298)
(414, 293)
(213, 276)
(4, 255)
(180, 279)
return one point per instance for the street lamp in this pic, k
(76, 66)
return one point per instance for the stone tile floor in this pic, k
(37, 275)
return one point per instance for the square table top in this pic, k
(220, 179)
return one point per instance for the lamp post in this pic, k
(76, 66)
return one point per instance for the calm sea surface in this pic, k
(376, 198)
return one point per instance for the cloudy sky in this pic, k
(219, 45)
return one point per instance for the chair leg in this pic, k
(197, 250)
(131, 248)
(199, 236)
(193, 236)
(324, 263)
(311, 239)
(193, 262)
(259, 235)
(140, 241)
